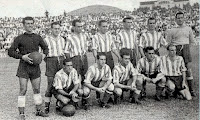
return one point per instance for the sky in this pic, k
(22, 8)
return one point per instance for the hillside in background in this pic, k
(95, 9)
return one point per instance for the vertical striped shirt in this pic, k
(126, 39)
(149, 68)
(103, 43)
(63, 80)
(56, 46)
(76, 44)
(172, 68)
(95, 74)
(121, 73)
(155, 40)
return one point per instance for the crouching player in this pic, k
(98, 78)
(124, 79)
(150, 67)
(173, 67)
(66, 86)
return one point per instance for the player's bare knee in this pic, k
(86, 91)
(118, 91)
(140, 80)
(111, 88)
(171, 86)
(65, 101)
(163, 80)
(139, 85)
(80, 92)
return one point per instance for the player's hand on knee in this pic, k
(27, 59)
(75, 95)
(133, 87)
(148, 80)
(100, 90)
(72, 92)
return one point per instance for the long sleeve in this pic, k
(44, 46)
(12, 52)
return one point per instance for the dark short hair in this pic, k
(124, 51)
(146, 49)
(100, 54)
(179, 13)
(67, 60)
(127, 18)
(75, 21)
(27, 18)
(55, 23)
(170, 46)
(151, 18)
(101, 21)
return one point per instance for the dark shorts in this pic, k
(133, 55)
(96, 84)
(152, 75)
(177, 80)
(184, 51)
(26, 70)
(53, 65)
(80, 64)
(109, 59)
(124, 83)
(67, 90)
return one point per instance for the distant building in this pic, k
(164, 3)
(149, 4)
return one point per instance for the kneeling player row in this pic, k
(166, 72)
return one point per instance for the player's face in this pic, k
(128, 24)
(126, 59)
(180, 19)
(28, 25)
(172, 51)
(55, 30)
(152, 24)
(102, 60)
(68, 66)
(150, 54)
(78, 27)
(103, 28)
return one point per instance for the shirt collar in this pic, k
(184, 25)
(96, 66)
(168, 57)
(25, 33)
(63, 72)
(152, 60)
(51, 36)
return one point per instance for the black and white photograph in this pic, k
(99, 59)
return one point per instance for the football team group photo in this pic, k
(114, 60)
